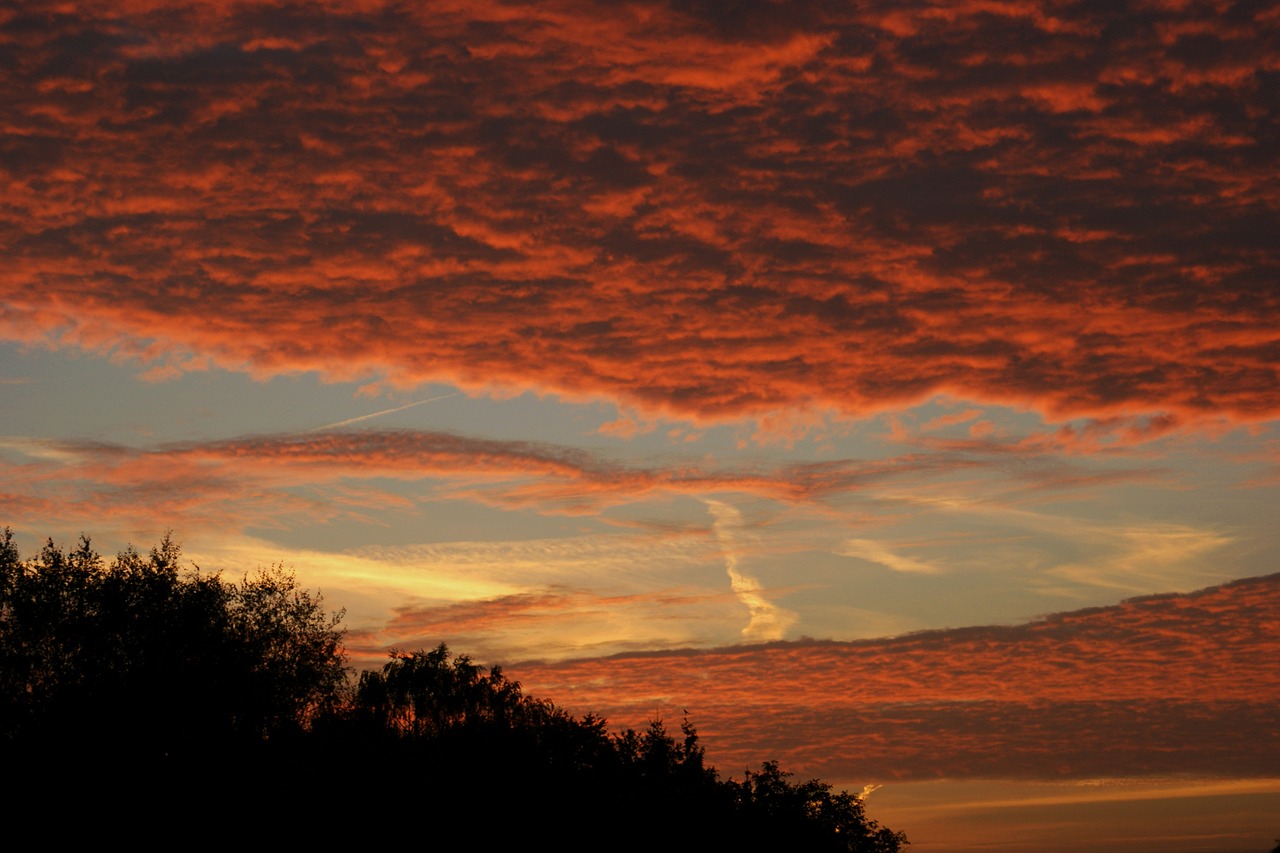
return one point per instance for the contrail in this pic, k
(350, 421)
(768, 621)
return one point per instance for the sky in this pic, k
(895, 386)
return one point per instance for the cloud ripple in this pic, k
(1168, 684)
(1059, 205)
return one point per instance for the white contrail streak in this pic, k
(350, 421)
(768, 621)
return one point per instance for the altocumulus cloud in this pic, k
(1168, 684)
(1058, 205)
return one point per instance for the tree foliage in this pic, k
(481, 733)
(809, 815)
(206, 685)
(144, 656)
(423, 694)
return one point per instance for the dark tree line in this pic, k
(137, 655)
(151, 690)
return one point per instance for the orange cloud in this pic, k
(556, 621)
(328, 474)
(691, 212)
(1157, 685)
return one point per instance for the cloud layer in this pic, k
(1170, 684)
(696, 211)
(253, 474)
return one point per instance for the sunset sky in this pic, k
(831, 370)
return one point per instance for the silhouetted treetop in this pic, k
(478, 732)
(152, 685)
(140, 651)
(423, 693)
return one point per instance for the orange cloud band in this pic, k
(256, 477)
(1163, 684)
(1062, 206)
(259, 477)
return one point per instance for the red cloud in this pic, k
(1163, 684)
(1067, 207)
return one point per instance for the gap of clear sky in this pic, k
(894, 385)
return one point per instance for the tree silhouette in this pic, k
(809, 816)
(477, 730)
(139, 657)
(154, 687)
(423, 693)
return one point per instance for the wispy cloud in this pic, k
(513, 474)
(295, 481)
(1143, 556)
(552, 623)
(549, 598)
(1079, 555)
(878, 552)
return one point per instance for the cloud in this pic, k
(552, 623)
(878, 552)
(1143, 556)
(1073, 556)
(950, 513)
(244, 475)
(1167, 684)
(553, 597)
(843, 208)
